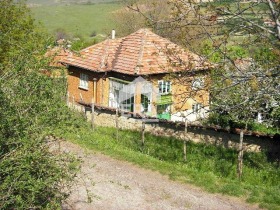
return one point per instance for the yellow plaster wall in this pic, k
(183, 95)
(73, 80)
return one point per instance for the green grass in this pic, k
(212, 168)
(37, 3)
(77, 20)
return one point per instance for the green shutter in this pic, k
(165, 99)
(165, 116)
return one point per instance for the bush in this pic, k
(32, 105)
(60, 33)
(31, 176)
(93, 34)
(226, 122)
(81, 43)
(222, 120)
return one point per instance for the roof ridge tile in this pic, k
(142, 52)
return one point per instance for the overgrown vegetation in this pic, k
(226, 122)
(31, 106)
(212, 168)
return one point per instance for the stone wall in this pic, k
(197, 134)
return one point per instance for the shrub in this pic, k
(31, 176)
(31, 106)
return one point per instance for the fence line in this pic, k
(104, 116)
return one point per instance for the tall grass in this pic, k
(210, 167)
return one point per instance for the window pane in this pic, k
(164, 86)
(167, 87)
(83, 80)
(160, 87)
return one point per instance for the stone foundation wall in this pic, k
(107, 118)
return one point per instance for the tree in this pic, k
(242, 39)
(129, 20)
(31, 107)
(18, 35)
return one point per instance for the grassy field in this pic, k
(77, 20)
(36, 3)
(212, 168)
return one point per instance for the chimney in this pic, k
(113, 34)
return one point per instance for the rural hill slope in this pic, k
(66, 2)
(71, 19)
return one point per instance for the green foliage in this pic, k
(81, 43)
(31, 176)
(18, 34)
(215, 54)
(208, 50)
(67, 2)
(225, 121)
(237, 52)
(31, 106)
(276, 115)
(208, 166)
(222, 120)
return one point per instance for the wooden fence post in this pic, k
(185, 140)
(240, 155)
(73, 102)
(92, 114)
(117, 122)
(143, 133)
(67, 98)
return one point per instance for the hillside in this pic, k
(36, 3)
(79, 19)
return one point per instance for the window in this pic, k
(164, 87)
(83, 81)
(198, 83)
(121, 95)
(196, 107)
(145, 103)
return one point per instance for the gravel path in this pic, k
(106, 183)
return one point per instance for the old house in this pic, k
(101, 72)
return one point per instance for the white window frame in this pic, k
(118, 84)
(196, 107)
(83, 81)
(163, 87)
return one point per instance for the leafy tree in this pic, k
(31, 107)
(147, 13)
(18, 36)
(242, 38)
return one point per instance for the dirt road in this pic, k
(106, 183)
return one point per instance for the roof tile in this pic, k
(141, 53)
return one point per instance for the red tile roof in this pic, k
(57, 54)
(140, 53)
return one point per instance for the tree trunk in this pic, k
(185, 141)
(143, 133)
(117, 123)
(92, 114)
(240, 155)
